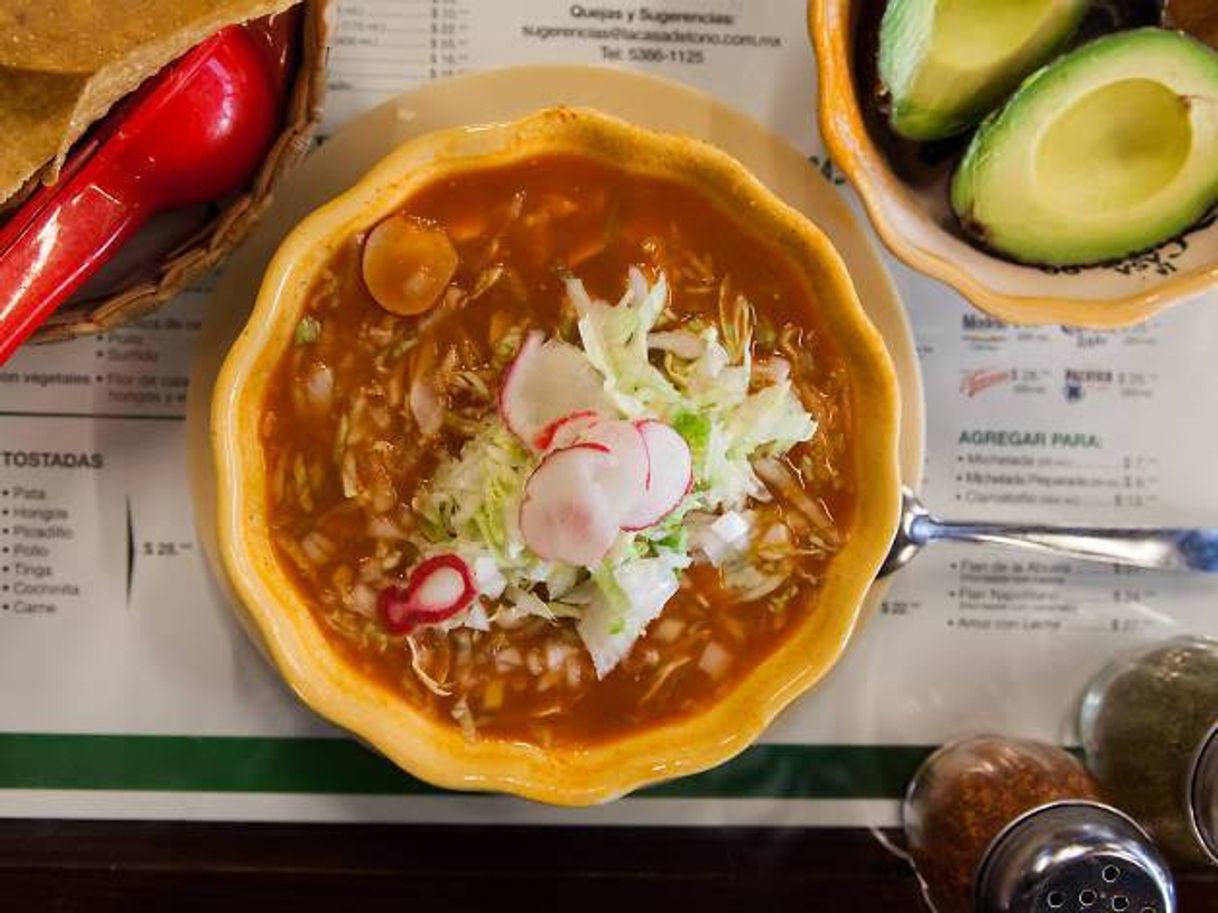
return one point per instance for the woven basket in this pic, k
(228, 225)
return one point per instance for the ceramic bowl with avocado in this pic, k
(1056, 161)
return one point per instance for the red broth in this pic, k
(340, 406)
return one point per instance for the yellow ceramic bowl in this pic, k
(916, 223)
(435, 750)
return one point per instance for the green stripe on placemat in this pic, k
(287, 765)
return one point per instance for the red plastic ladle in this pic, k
(194, 132)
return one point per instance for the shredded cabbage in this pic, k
(473, 500)
(708, 403)
(631, 597)
(615, 340)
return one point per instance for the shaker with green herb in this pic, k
(1148, 725)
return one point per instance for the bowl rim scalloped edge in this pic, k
(433, 750)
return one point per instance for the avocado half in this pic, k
(1109, 150)
(945, 64)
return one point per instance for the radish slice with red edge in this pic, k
(567, 430)
(548, 381)
(672, 475)
(436, 590)
(567, 514)
(633, 470)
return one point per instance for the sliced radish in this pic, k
(567, 514)
(625, 442)
(437, 589)
(567, 430)
(672, 475)
(548, 381)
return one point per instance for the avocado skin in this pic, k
(1006, 125)
(904, 23)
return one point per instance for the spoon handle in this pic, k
(74, 227)
(1164, 549)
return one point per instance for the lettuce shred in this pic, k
(470, 506)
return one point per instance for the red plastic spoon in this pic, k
(194, 132)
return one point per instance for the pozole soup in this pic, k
(559, 451)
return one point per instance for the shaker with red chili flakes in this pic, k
(1001, 825)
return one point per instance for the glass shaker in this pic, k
(1148, 730)
(997, 825)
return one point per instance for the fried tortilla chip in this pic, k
(35, 114)
(64, 63)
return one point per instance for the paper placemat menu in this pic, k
(127, 689)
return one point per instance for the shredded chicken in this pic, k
(735, 321)
(778, 477)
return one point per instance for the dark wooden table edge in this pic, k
(56, 865)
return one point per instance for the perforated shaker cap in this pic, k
(1203, 795)
(1073, 857)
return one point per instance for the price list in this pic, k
(138, 370)
(84, 427)
(1063, 426)
(382, 47)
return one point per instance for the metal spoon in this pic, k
(1163, 549)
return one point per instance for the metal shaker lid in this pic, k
(1203, 795)
(1073, 857)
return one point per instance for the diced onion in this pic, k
(476, 618)
(723, 539)
(426, 406)
(465, 720)
(668, 630)
(534, 663)
(715, 661)
(350, 476)
(508, 658)
(384, 528)
(320, 388)
(556, 654)
(317, 548)
(490, 580)
(731, 527)
(575, 673)
(363, 600)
